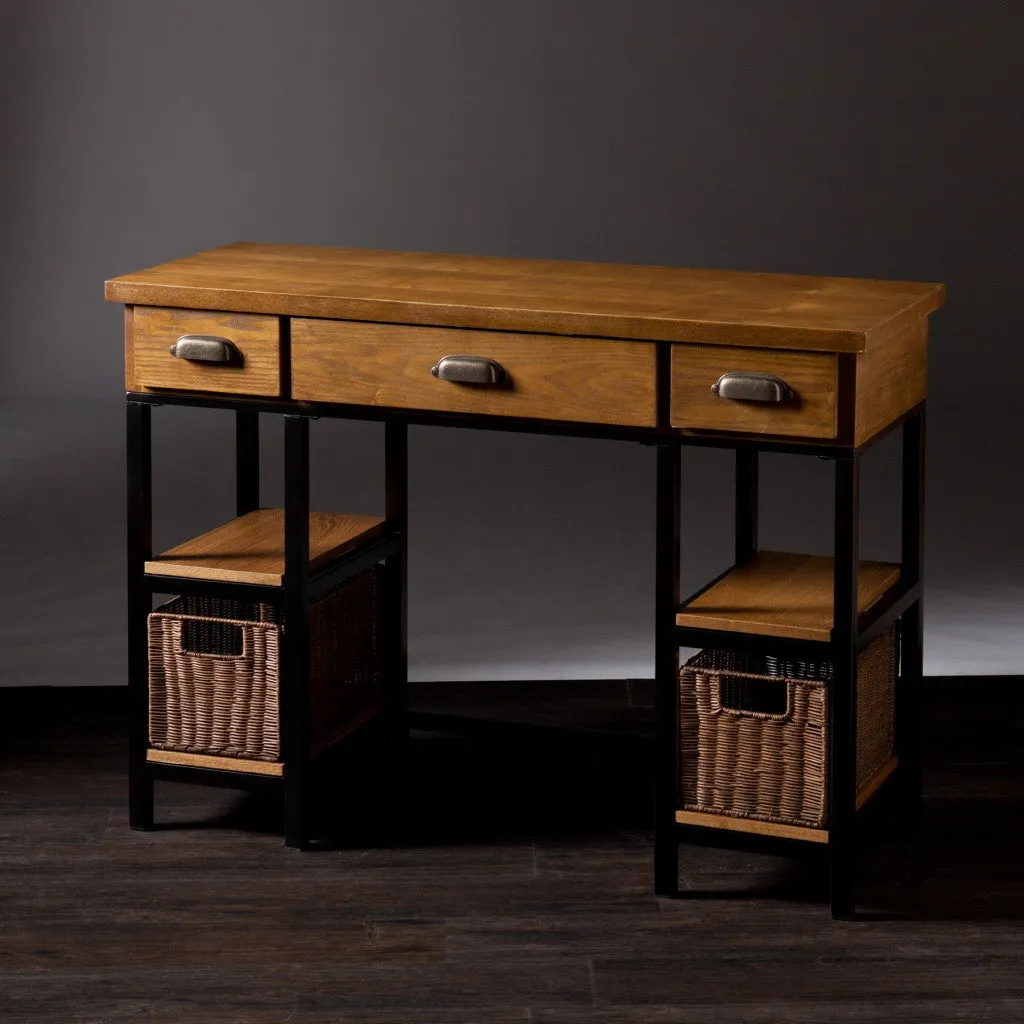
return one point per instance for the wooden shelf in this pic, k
(224, 764)
(781, 594)
(250, 549)
(755, 826)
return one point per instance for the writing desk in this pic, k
(662, 356)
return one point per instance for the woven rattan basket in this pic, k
(754, 732)
(213, 670)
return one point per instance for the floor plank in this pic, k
(514, 885)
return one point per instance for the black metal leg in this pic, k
(140, 545)
(666, 672)
(395, 600)
(912, 624)
(247, 461)
(843, 703)
(294, 662)
(746, 502)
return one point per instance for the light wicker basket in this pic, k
(214, 670)
(754, 732)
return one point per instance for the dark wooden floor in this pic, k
(520, 891)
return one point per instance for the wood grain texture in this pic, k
(556, 297)
(890, 379)
(129, 348)
(573, 379)
(779, 593)
(811, 376)
(224, 764)
(257, 338)
(753, 826)
(250, 549)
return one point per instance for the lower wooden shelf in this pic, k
(756, 826)
(222, 764)
(752, 825)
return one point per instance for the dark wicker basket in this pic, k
(754, 732)
(214, 671)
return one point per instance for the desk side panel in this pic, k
(129, 349)
(891, 379)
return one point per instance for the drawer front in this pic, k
(254, 367)
(809, 410)
(586, 380)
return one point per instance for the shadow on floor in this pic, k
(513, 770)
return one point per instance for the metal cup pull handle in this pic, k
(204, 348)
(470, 370)
(752, 387)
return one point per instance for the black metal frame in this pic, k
(294, 663)
(140, 602)
(394, 608)
(851, 632)
(902, 605)
(299, 588)
(908, 702)
(509, 424)
(666, 672)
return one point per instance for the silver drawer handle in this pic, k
(470, 370)
(204, 348)
(752, 387)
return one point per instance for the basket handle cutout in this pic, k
(755, 698)
(211, 639)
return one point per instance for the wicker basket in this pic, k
(754, 732)
(214, 670)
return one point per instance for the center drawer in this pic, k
(537, 376)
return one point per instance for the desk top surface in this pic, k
(600, 299)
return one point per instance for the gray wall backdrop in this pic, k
(873, 138)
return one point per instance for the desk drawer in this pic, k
(808, 391)
(541, 376)
(253, 351)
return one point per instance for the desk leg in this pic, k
(140, 547)
(247, 461)
(666, 673)
(843, 705)
(294, 663)
(746, 502)
(908, 708)
(394, 606)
